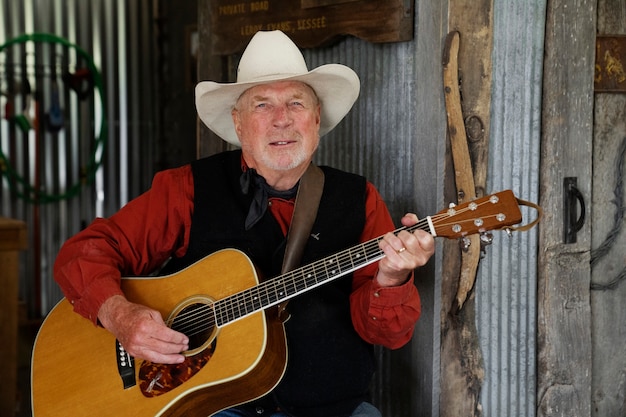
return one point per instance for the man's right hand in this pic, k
(142, 331)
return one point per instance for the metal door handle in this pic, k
(572, 221)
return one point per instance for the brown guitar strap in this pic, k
(304, 213)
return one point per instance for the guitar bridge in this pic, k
(125, 366)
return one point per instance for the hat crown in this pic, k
(268, 55)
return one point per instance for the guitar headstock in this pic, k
(493, 212)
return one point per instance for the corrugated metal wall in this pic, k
(114, 125)
(506, 289)
(395, 136)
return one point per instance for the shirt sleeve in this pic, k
(135, 241)
(382, 315)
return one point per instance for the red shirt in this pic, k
(148, 230)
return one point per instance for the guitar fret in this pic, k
(333, 267)
(345, 262)
(271, 295)
(263, 296)
(292, 288)
(217, 311)
(233, 308)
(254, 300)
(308, 276)
(242, 300)
(226, 311)
(281, 293)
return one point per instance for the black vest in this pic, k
(330, 367)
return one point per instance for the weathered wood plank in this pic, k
(210, 67)
(474, 20)
(607, 306)
(316, 23)
(564, 316)
(461, 359)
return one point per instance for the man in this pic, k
(276, 112)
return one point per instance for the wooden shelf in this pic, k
(13, 239)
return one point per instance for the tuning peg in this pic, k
(486, 238)
(465, 243)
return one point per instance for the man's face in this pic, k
(278, 125)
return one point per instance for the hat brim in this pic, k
(337, 87)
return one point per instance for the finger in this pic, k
(164, 333)
(166, 359)
(160, 338)
(409, 219)
(425, 241)
(157, 356)
(156, 350)
(392, 244)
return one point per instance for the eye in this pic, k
(261, 106)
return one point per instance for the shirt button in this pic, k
(376, 294)
(374, 318)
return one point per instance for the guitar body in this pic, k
(74, 363)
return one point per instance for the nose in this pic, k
(281, 116)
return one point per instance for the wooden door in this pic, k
(564, 313)
(581, 350)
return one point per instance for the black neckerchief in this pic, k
(250, 181)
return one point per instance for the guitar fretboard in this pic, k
(300, 280)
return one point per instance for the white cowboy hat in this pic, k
(272, 56)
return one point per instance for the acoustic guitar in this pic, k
(237, 347)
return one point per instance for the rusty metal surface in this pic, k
(610, 73)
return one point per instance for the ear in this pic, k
(318, 116)
(236, 121)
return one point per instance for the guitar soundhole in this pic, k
(197, 322)
(195, 318)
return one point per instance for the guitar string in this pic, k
(249, 302)
(252, 299)
(246, 296)
(273, 291)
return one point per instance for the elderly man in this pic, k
(244, 199)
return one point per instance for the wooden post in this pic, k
(12, 240)
(461, 359)
(563, 310)
(210, 67)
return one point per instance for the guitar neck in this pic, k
(301, 280)
(493, 212)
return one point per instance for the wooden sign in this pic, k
(610, 74)
(309, 23)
